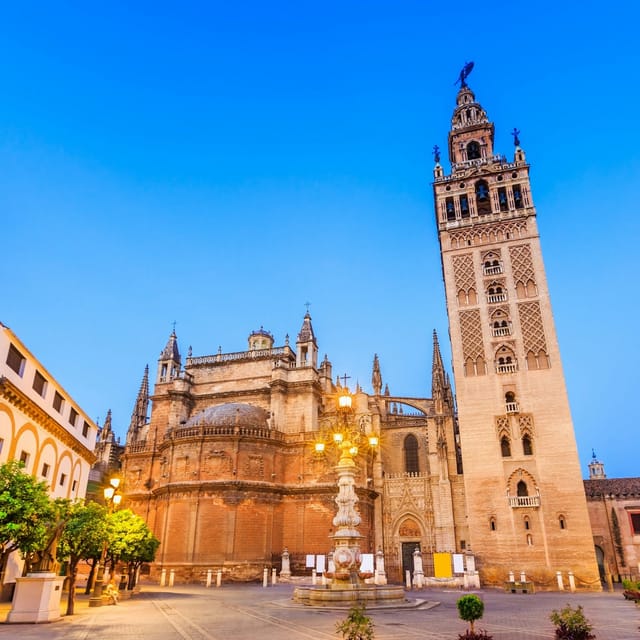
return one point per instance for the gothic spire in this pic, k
(438, 376)
(376, 377)
(171, 352)
(306, 332)
(140, 408)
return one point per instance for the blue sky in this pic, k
(221, 164)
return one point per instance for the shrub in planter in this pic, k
(470, 609)
(631, 590)
(571, 624)
(357, 625)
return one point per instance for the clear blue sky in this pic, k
(220, 164)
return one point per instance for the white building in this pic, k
(41, 424)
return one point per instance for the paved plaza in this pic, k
(251, 612)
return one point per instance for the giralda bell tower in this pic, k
(526, 507)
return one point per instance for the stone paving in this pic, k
(251, 612)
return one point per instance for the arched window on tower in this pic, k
(521, 489)
(483, 201)
(411, 462)
(517, 196)
(510, 401)
(451, 210)
(473, 150)
(505, 447)
(464, 206)
(527, 446)
(503, 202)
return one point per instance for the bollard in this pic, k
(172, 575)
(209, 572)
(219, 578)
(560, 581)
(572, 582)
(274, 578)
(523, 576)
(314, 577)
(163, 577)
(265, 577)
(511, 577)
(407, 579)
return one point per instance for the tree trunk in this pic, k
(71, 597)
(92, 577)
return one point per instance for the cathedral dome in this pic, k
(230, 415)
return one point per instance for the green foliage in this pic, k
(571, 624)
(470, 609)
(357, 625)
(130, 541)
(617, 538)
(26, 512)
(82, 538)
(631, 585)
(474, 635)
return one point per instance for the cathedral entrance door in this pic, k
(407, 557)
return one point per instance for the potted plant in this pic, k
(571, 624)
(470, 609)
(357, 625)
(631, 590)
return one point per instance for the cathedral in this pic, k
(230, 456)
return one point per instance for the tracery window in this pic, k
(411, 462)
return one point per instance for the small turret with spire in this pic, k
(596, 468)
(307, 348)
(169, 362)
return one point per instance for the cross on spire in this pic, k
(307, 304)
(344, 379)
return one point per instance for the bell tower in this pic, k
(525, 499)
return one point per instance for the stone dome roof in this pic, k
(231, 414)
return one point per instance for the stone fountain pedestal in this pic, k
(36, 598)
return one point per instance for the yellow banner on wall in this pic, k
(442, 565)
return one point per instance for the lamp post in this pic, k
(346, 554)
(112, 499)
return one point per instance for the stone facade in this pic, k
(522, 482)
(226, 471)
(614, 512)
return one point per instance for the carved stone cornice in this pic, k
(23, 403)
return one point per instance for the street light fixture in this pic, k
(347, 437)
(112, 499)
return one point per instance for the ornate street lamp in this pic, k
(112, 499)
(348, 438)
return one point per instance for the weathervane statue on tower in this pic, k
(464, 74)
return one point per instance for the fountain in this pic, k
(347, 584)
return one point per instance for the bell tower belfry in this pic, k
(524, 493)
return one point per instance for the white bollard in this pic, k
(265, 577)
(219, 578)
(560, 581)
(314, 577)
(274, 578)
(511, 577)
(163, 577)
(572, 582)
(523, 576)
(172, 575)
(209, 572)
(407, 579)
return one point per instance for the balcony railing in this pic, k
(512, 407)
(200, 431)
(524, 501)
(506, 368)
(492, 270)
(501, 331)
(496, 297)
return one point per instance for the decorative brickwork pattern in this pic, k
(463, 272)
(496, 233)
(502, 426)
(531, 327)
(525, 423)
(471, 330)
(522, 264)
